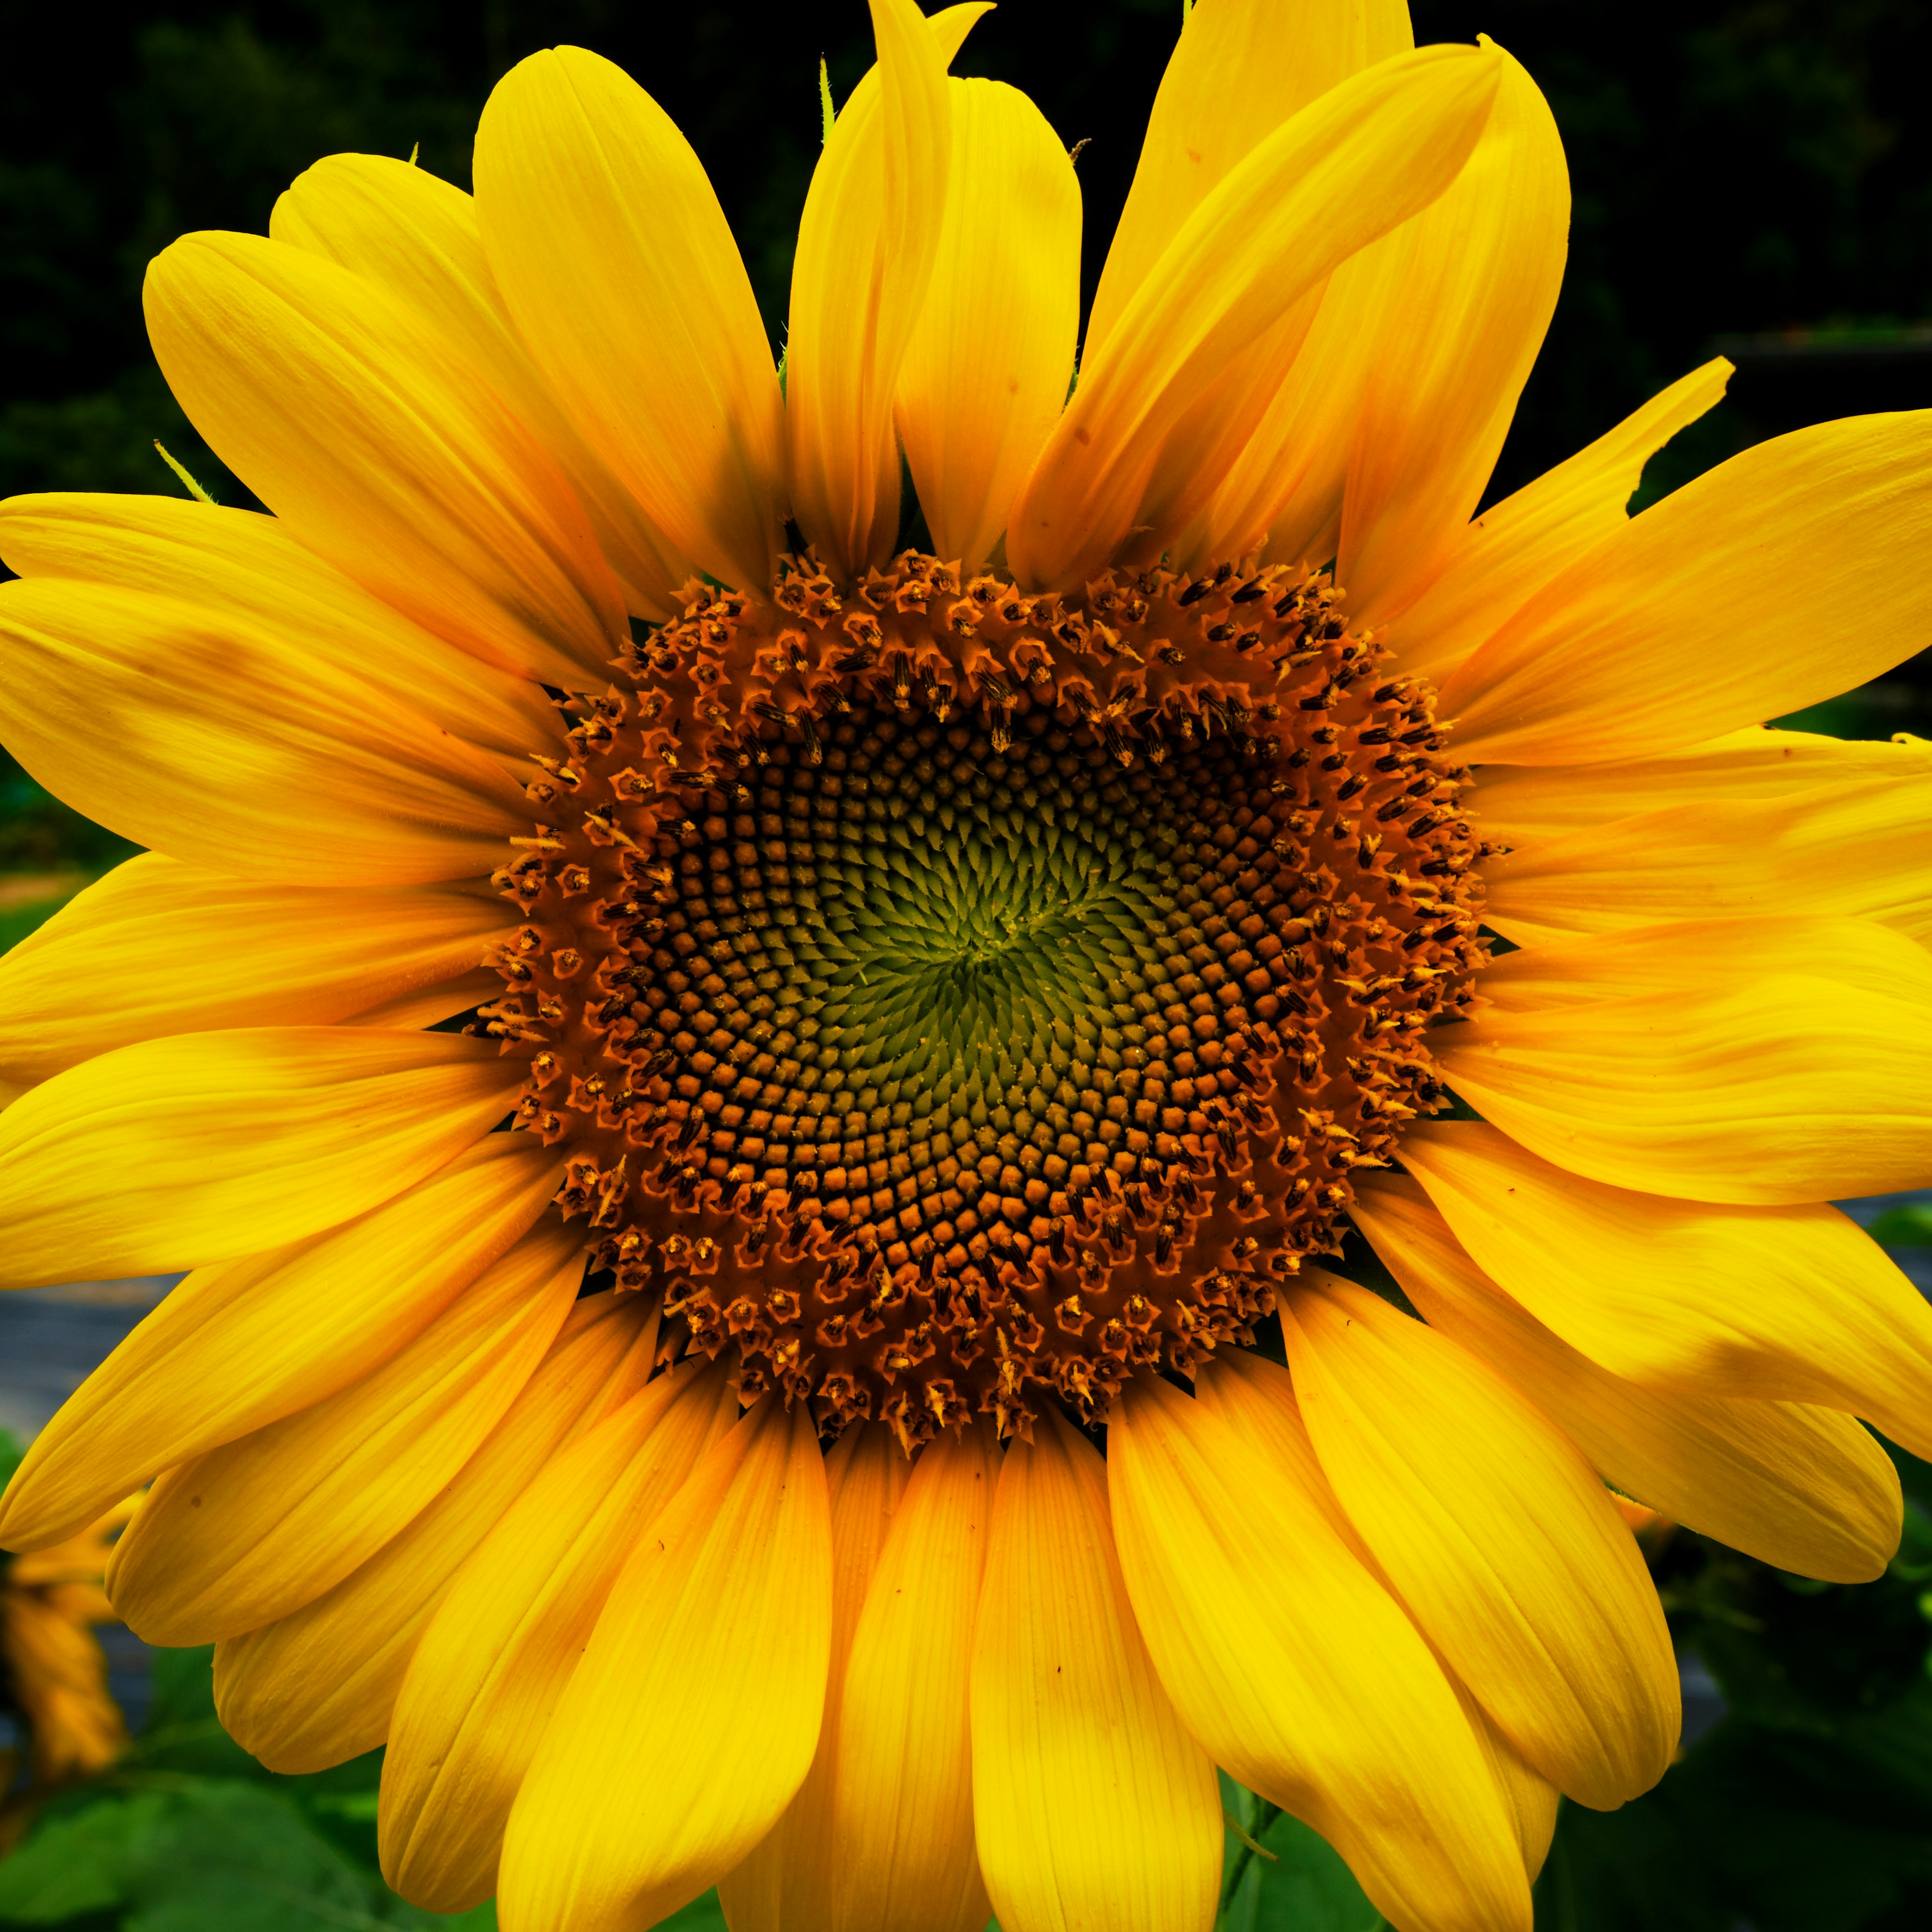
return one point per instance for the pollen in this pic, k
(949, 999)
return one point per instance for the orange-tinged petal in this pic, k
(401, 227)
(1787, 1304)
(615, 261)
(1355, 163)
(1805, 1488)
(1497, 1536)
(1498, 562)
(1289, 1660)
(1240, 69)
(792, 1873)
(986, 371)
(1521, 805)
(239, 1346)
(1092, 1805)
(1709, 611)
(248, 567)
(317, 1687)
(1759, 1061)
(704, 1683)
(159, 947)
(1476, 279)
(247, 1532)
(183, 727)
(368, 433)
(176, 1152)
(901, 1829)
(867, 244)
(494, 1660)
(1859, 850)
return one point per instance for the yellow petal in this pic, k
(1531, 1796)
(1497, 563)
(1291, 1662)
(158, 947)
(238, 1346)
(1479, 274)
(901, 1832)
(1092, 1805)
(867, 244)
(183, 727)
(1859, 850)
(1709, 611)
(1806, 1489)
(703, 1685)
(1787, 1304)
(986, 371)
(1240, 68)
(250, 568)
(1497, 1536)
(367, 431)
(614, 260)
(792, 1874)
(1753, 1061)
(176, 1152)
(494, 1659)
(402, 228)
(250, 1531)
(1519, 805)
(317, 1687)
(1353, 164)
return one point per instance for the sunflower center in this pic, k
(949, 997)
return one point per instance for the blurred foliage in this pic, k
(1808, 1806)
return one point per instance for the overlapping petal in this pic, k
(159, 947)
(317, 1687)
(1709, 611)
(1289, 1660)
(399, 226)
(1322, 187)
(216, 740)
(1497, 1536)
(1502, 558)
(868, 242)
(1805, 1489)
(239, 1346)
(212, 1146)
(986, 371)
(1766, 1060)
(1092, 1805)
(1209, 115)
(482, 1683)
(249, 568)
(703, 1683)
(613, 259)
(1857, 849)
(368, 433)
(247, 1532)
(1788, 1304)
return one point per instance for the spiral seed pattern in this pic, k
(950, 998)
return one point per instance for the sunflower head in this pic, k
(953, 998)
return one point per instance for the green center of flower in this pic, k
(949, 996)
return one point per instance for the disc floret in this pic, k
(952, 997)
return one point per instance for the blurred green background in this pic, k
(1754, 178)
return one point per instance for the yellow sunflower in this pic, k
(947, 992)
(52, 1675)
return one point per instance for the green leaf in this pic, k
(74, 1861)
(1908, 1227)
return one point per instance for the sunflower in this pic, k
(53, 1678)
(754, 1069)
